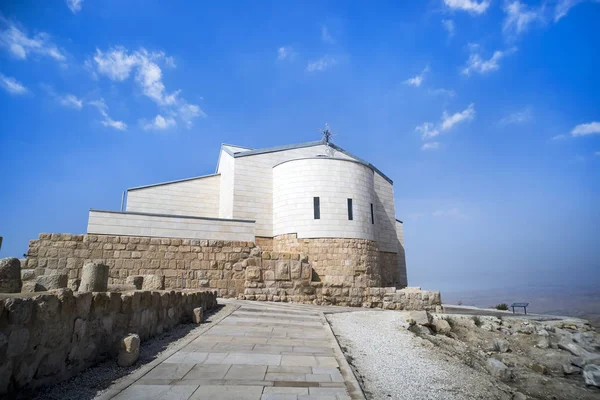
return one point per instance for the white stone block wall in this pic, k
(226, 169)
(117, 223)
(334, 181)
(253, 192)
(196, 197)
(385, 215)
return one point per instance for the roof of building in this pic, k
(252, 152)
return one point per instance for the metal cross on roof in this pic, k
(327, 138)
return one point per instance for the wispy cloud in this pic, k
(20, 45)
(518, 117)
(71, 101)
(449, 26)
(285, 53)
(477, 64)
(597, 153)
(520, 17)
(471, 6)
(160, 123)
(558, 137)
(11, 85)
(450, 120)
(74, 5)
(431, 146)
(417, 80)
(321, 64)
(107, 121)
(428, 130)
(591, 128)
(118, 64)
(442, 92)
(326, 36)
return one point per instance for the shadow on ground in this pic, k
(89, 383)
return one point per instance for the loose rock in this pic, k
(498, 369)
(419, 318)
(130, 350)
(441, 326)
(52, 282)
(501, 346)
(569, 369)
(591, 374)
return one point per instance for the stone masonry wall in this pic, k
(203, 263)
(54, 335)
(354, 259)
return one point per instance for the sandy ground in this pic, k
(392, 363)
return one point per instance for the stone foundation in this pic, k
(53, 336)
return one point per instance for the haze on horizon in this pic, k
(483, 113)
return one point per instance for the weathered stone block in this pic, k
(282, 271)
(94, 278)
(253, 273)
(135, 280)
(129, 351)
(153, 282)
(10, 275)
(52, 282)
(198, 315)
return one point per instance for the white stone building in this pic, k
(280, 197)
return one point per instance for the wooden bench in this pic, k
(519, 305)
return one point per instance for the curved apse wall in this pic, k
(334, 181)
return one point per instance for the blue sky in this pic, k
(484, 113)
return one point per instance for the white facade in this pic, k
(272, 190)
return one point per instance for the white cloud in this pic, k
(448, 121)
(188, 112)
(107, 121)
(471, 6)
(160, 123)
(417, 80)
(431, 146)
(285, 53)
(326, 36)
(427, 130)
(449, 213)
(20, 46)
(321, 64)
(71, 101)
(449, 26)
(519, 17)
(118, 64)
(442, 92)
(559, 137)
(11, 85)
(477, 64)
(518, 117)
(592, 128)
(74, 5)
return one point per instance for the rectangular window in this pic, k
(372, 214)
(317, 207)
(350, 209)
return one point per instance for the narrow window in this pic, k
(372, 215)
(317, 207)
(350, 209)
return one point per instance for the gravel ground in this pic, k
(392, 363)
(92, 382)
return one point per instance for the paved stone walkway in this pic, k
(260, 351)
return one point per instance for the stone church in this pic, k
(313, 198)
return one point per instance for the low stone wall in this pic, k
(52, 336)
(202, 263)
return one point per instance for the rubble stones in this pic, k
(10, 275)
(94, 278)
(129, 351)
(501, 345)
(51, 282)
(570, 369)
(419, 318)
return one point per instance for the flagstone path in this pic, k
(259, 351)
